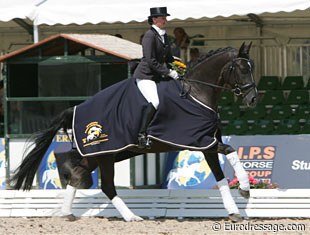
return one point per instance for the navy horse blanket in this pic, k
(109, 121)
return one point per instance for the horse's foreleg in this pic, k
(240, 172)
(106, 164)
(228, 201)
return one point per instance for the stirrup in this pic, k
(144, 141)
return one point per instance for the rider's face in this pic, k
(160, 21)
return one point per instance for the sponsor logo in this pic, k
(94, 134)
(298, 165)
(258, 161)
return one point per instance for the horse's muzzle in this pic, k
(250, 99)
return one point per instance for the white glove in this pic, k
(173, 74)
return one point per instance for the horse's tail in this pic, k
(40, 142)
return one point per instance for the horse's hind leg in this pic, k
(222, 183)
(106, 165)
(241, 174)
(78, 172)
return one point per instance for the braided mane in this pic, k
(211, 53)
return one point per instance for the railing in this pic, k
(152, 203)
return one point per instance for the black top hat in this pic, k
(158, 11)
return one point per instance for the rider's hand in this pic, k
(173, 74)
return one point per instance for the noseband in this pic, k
(238, 89)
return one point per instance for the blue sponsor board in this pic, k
(280, 159)
(48, 171)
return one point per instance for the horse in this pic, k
(223, 69)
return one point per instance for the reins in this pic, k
(185, 93)
(205, 83)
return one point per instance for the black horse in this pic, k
(228, 68)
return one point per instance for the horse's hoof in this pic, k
(135, 218)
(235, 218)
(70, 217)
(244, 193)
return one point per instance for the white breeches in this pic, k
(148, 89)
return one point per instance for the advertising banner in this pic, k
(189, 170)
(279, 159)
(257, 160)
(48, 171)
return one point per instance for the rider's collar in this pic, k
(160, 31)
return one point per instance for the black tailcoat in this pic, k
(156, 57)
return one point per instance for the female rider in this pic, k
(153, 67)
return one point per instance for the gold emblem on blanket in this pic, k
(94, 134)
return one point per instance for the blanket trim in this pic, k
(204, 105)
(152, 137)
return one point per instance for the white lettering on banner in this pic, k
(300, 165)
(251, 165)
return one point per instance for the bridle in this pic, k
(238, 89)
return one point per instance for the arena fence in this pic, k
(159, 203)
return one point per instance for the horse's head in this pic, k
(239, 75)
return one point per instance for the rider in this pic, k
(153, 67)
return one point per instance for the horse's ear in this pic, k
(241, 49)
(248, 48)
(244, 49)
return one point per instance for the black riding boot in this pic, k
(147, 116)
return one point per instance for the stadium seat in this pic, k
(302, 113)
(262, 127)
(280, 112)
(268, 83)
(236, 127)
(273, 98)
(229, 113)
(226, 98)
(308, 84)
(288, 126)
(298, 97)
(305, 128)
(251, 115)
(293, 83)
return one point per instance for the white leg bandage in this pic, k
(148, 89)
(228, 200)
(68, 200)
(125, 212)
(240, 173)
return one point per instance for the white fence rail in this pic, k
(152, 203)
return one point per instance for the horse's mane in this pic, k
(209, 54)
